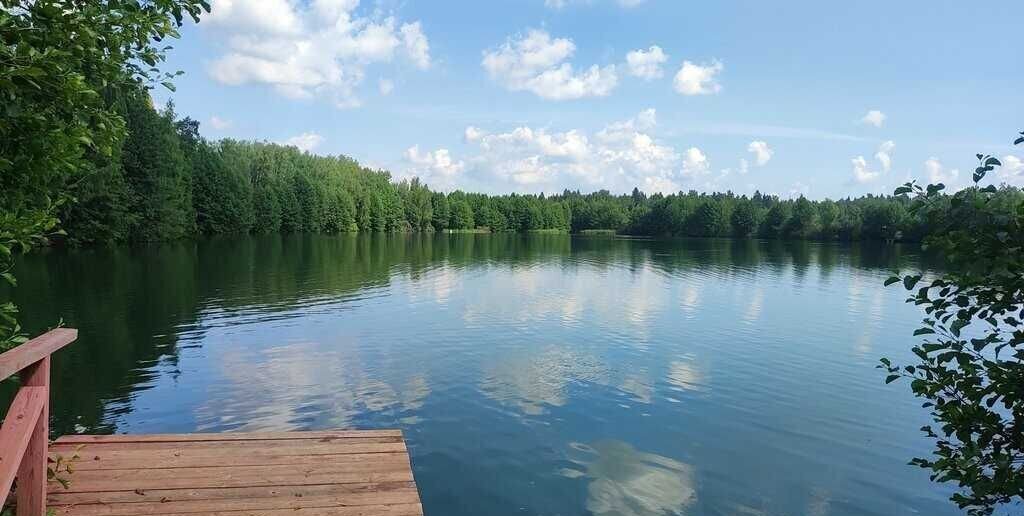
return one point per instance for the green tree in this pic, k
(828, 217)
(804, 221)
(57, 59)
(776, 219)
(462, 215)
(710, 220)
(157, 173)
(746, 218)
(970, 370)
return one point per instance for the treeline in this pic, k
(695, 214)
(167, 182)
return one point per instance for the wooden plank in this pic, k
(32, 471)
(227, 436)
(16, 433)
(60, 497)
(35, 350)
(404, 509)
(98, 460)
(242, 444)
(403, 496)
(146, 481)
(161, 450)
(334, 473)
(393, 463)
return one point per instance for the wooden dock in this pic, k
(327, 473)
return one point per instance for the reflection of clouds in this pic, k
(690, 298)
(686, 376)
(288, 387)
(532, 381)
(819, 503)
(532, 303)
(639, 386)
(753, 312)
(643, 296)
(437, 285)
(627, 482)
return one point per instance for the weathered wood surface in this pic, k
(336, 473)
(35, 350)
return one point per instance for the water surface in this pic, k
(540, 374)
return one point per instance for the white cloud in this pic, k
(436, 168)
(874, 117)
(1012, 171)
(537, 63)
(762, 152)
(275, 17)
(937, 173)
(695, 162)
(646, 64)
(861, 172)
(319, 49)
(306, 142)
(695, 79)
(416, 45)
(799, 189)
(386, 86)
(618, 157)
(219, 123)
(473, 134)
(884, 155)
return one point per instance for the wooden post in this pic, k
(32, 472)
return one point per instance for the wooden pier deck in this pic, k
(338, 473)
(329, 473)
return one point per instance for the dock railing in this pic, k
(25, 433)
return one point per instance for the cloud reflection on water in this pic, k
(627, 482)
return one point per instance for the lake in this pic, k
(544, 374)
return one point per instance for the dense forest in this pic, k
(167, 182)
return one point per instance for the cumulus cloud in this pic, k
(762, 152)
(696, 79)
(861, 172)
(416, 45)
(873, 117)
(306, 141)
(1012, 171)
(219, 123)
(884, 155)
(619, 156)
(695, 162)
(538, 63)
(937, 173)
(319, 49)
(436, 168)
(646, 64)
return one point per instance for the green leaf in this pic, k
(891, 378)
(923, 331)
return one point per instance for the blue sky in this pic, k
(826, 99)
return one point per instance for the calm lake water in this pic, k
(547, 375)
